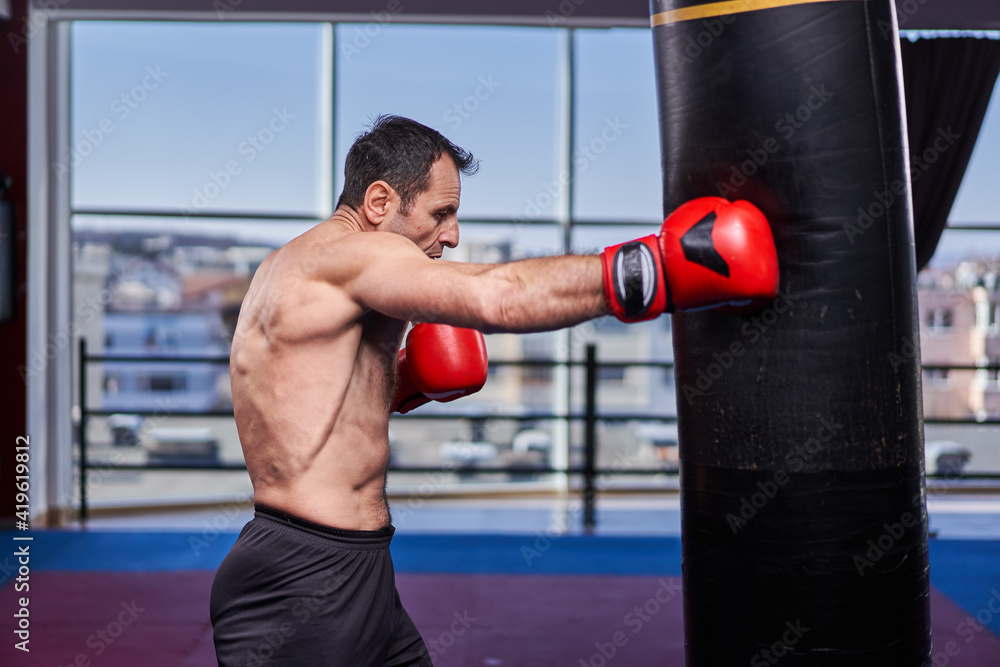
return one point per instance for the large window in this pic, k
(493, 91)
(191, 118)
(616, 151)
(196, 149)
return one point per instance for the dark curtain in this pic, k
(948, 83)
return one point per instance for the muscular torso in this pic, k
(312, 380)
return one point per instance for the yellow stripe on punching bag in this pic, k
(664, 15)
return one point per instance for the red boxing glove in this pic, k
(710, 252)
(439, 363)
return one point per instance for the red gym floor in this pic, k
(466, 620)
(141, 600)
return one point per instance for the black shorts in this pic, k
(293, 592)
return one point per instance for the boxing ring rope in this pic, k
(589, 470)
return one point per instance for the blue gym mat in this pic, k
(460, 553)
(967, 571)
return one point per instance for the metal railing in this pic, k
(590, 418)
(589, 470)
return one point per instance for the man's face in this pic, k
(432, 221)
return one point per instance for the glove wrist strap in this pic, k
(635, 288)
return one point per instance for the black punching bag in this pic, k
(804, 522)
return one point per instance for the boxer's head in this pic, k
(399, 152)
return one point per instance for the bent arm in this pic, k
(392, 276)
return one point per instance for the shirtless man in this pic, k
(314, 379)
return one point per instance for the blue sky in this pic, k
(235, 117)
(494, 91)
(218, 86)
(976, 200)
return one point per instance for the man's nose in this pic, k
(449, 235)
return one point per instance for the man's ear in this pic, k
(381, 202)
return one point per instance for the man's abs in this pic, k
(334, 505)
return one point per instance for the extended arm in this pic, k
(392, 276)
(710, 253)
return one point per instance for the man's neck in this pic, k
(350, 219)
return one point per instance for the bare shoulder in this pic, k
(326, 265)
(368, 247)
(338, 257)
(353, 272)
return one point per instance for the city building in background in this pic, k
(958, 326)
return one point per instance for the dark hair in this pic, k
(400, 152)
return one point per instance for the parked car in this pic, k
(125, 429)
(183, 447)
(946, 457)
